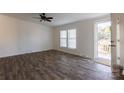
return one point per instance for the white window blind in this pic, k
(68, 38)
(72, 38)
(63, 38)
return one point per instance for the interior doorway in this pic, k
(103, 42)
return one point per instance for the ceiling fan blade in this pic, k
(36, 17)
(41, 20)
(49, 17)
(41, 15)
(48, 20)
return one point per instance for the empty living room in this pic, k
(61, 46)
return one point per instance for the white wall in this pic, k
(85, 36)
(19, 36)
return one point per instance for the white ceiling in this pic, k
(59, 18)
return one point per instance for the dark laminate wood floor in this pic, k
(52, 65)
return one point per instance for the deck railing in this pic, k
(104, 48)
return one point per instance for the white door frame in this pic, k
(95, 36)
(115, 18)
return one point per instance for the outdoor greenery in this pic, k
(104, 33)
(104, 38)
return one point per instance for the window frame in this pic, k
(75, 38)
(63, 38)
(67, 39)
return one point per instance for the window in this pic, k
(68, 38)
(63, 38)
(72, 38)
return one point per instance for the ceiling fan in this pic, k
(43, 17)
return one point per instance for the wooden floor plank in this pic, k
(53, 65)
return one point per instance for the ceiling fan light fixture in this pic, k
(44, 18)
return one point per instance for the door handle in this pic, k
(112, 41)
(112, 45)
